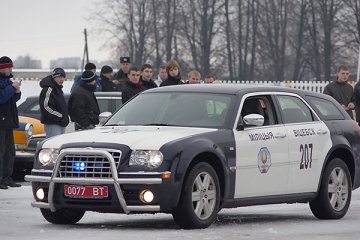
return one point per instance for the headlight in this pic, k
(29, 130)
(48, 156)
(148, 158)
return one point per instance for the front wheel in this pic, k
(334, 196)
(200, 197)
(63, 216)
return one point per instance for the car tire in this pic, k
(334, 195)
(63, 216)
(199, 201)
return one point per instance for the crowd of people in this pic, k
(83, 109)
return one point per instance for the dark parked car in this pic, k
(191, 150)
(29, 115)
(108, 102)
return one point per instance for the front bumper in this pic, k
(117, 182)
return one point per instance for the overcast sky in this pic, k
(48, 29)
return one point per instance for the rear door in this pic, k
(309, 142)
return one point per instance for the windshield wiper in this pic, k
(158, 124)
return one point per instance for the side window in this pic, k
(262, 105)
(103, 105)
(34, 108)
(326, 109)
(293, 110)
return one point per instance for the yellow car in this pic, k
(26, 137)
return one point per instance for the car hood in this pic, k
(136, 137)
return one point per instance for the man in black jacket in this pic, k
(121, 76)
(106, 82)
(9, 95)
(133, 86)
(146, 77)
(83, 106)
(54, 114)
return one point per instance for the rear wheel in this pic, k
(199, 201)
(334, 196)
(63, 216)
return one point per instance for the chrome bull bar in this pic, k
(115, 181)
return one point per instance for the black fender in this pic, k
(187, 152)
(340, 146)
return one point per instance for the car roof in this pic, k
(234, 89)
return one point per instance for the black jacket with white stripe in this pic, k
(52, 103)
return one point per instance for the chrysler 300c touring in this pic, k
(193, 150)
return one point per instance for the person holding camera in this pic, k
(83, 106)
(9, 94)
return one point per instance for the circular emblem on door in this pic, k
(264, 160)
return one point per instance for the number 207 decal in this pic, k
(306, 151)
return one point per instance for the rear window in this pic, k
(326, 108)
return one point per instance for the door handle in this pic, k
(280, 135)
(321, 132)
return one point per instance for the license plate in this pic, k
(75, 191)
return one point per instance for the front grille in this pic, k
(88, 165)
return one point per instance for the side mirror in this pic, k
(103, 117)
(251, 120)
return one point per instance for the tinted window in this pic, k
(175, 109)
(326, 108)
(34, 108)
(294, 110)
(103, 104)
(260, 105)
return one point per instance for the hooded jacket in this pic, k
(83, 106)
(52, 103)
(8, 98)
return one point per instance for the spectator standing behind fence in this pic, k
(9, 94)
(133, 86)
(83, 106)
(146, 76)
(193, 77)
(77, 78)
(341, 90)
(162, 75)
(54, 113)
(121, 77)
(209, 79)
(106, 82)
(173, 72)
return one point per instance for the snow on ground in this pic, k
(282, 221)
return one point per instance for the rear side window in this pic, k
(294, 110)
(326, 108)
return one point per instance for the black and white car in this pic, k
(193, 150)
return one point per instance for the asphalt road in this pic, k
(283, 221)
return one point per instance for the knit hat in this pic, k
(90, 66)
(5, 62)
(58, 72)
(88, 76)
(106, 69)
(124, 59)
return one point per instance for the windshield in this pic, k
(174, 109)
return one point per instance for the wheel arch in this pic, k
(344, 153)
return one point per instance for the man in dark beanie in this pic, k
(54, 114)
(88, 67)
(133, 86)
(9, 94)
(121, 76)
(106, 83)
(83, 107)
